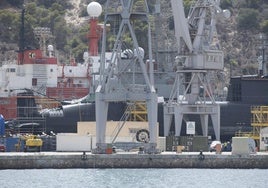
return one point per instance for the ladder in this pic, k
(122, 121)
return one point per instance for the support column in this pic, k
(215, 117)
(101, 119)
(167, 121)
(178, 119)
(152, 117)
(204, 124)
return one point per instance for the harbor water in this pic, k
(109, 178)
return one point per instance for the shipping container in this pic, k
(73, 142)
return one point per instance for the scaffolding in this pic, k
(259, 120)
(136, 111)
(139, 112)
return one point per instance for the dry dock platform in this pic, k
(60, 160)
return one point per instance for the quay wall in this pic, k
(61, 160)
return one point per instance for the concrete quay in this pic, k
(61, 160)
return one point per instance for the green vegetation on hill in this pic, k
(38, 13)
(249, 18)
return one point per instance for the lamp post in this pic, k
(43, 34)
(263, 69)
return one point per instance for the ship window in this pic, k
(34, 81)
(70, 70)
(51, 70)
(10, 70)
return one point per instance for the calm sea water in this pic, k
(134, 178)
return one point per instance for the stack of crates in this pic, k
(200, 143)
(187, 142)
(191, 143)
(49, 143)
(172, 142)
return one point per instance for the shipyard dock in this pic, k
(62, 160)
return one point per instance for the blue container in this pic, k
(2, 125)
(11, 144)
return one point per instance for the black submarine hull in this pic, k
(235, 113)
(234, 118)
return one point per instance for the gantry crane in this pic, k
(121, 78)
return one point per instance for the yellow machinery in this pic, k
(32, 143)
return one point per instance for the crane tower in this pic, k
(199, 54)
(120, 74)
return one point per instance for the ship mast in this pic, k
(94, 10)
(22, 37)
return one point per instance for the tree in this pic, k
(225, 4)
(251, 4)
(248, 19)
(17, 3)
(264, 27)
(60, 32)
(9, 26)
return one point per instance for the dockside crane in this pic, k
(120, 80)
(199, 54)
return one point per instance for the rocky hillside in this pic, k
(67, 20)
(240, 34)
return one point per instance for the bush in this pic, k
(251, 4)
(225, 4)
(264, 27)
(17, 3)
(248, 19)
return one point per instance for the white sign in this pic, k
(190, 127)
